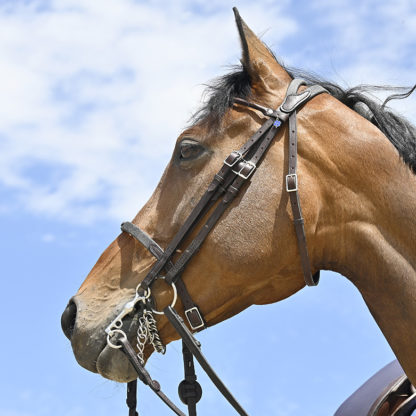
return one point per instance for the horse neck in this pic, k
(367, 231)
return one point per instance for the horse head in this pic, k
(251, 256)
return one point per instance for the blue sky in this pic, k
(82, 145)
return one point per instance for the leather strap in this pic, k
(214, 191)
(191, 309)
(192, 312)
(189, 390)
(131, 399)
(195, 348)
(290, 104)
(244, 169)
(144, 376)
(292, 189)
(388, 392)
(143, 238)
(265, 110)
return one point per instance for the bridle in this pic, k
(235, 172)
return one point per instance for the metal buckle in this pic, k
(233, 158)
(189, 313)
(251, 166)
(295, 177)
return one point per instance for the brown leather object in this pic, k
(388, 392)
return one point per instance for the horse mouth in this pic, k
(94, 354)
(112, 364)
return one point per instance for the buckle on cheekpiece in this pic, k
(290, 188)
(233, 158)
(194, 318)
(246, 170)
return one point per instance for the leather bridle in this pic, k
(235, 172)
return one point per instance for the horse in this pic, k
(356, 183)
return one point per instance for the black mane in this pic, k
(401, 133)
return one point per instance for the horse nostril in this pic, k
(68, 319)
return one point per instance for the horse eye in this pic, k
(189, 150)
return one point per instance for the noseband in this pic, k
(235, 172)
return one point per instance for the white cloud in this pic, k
(93, 94)
(374, 40)
(89, 90)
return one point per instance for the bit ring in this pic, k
(110, 335)
(146, 294)
(175, 298)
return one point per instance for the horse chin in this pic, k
(114, 365)
(89, 344)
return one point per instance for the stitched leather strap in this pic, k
(194, 347)
(131, 399)
(191, 309)
(214, 191)
(244, 168)
(292, 189)
(192, 312)
(292, 180)
(189, 390)
(144, 376)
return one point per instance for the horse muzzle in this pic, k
(89, 345)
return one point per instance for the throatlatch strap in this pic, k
(292, 178)
(292, 189)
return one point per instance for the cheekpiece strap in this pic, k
(192, 312)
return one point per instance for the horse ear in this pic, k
(265, 72)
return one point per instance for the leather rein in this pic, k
(235, 172)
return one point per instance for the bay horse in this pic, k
(357, 187)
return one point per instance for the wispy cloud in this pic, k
(372, 42)
(93, 94)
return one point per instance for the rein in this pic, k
(235, 172)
